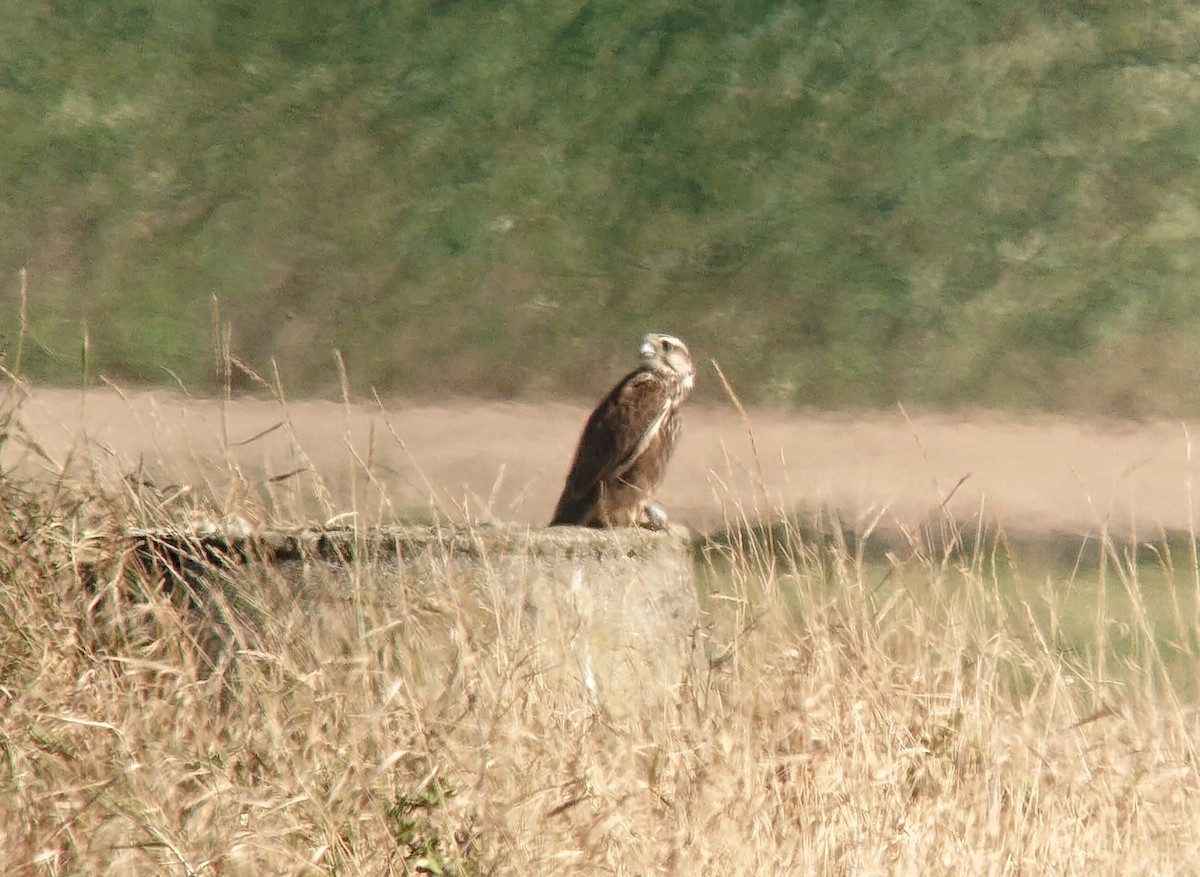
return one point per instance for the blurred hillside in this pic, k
(847, 205)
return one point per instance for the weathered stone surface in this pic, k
(611, 611)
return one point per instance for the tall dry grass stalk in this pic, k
(847, 720)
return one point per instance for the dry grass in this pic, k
(839, 727)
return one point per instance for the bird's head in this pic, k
(669, 355)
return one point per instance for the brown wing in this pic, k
(618, 431)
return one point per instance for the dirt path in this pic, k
(507, 461)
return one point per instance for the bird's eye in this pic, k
(667, 346)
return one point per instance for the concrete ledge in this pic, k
(612, 613)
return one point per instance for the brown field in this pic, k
(506, 461)
(832, 727)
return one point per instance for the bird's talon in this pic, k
(654, 518)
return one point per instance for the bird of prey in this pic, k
(626, 443)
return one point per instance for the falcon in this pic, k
(626, 443)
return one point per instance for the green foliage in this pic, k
(845, 204)
(421, 845)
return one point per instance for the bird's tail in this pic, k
(573, 511)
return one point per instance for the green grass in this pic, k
(846, 205)
(1121, 609)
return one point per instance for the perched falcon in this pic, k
(626, 443)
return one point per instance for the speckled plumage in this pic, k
(627, 442)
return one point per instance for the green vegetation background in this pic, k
(846, 204)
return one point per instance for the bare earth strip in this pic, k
(507, 461)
